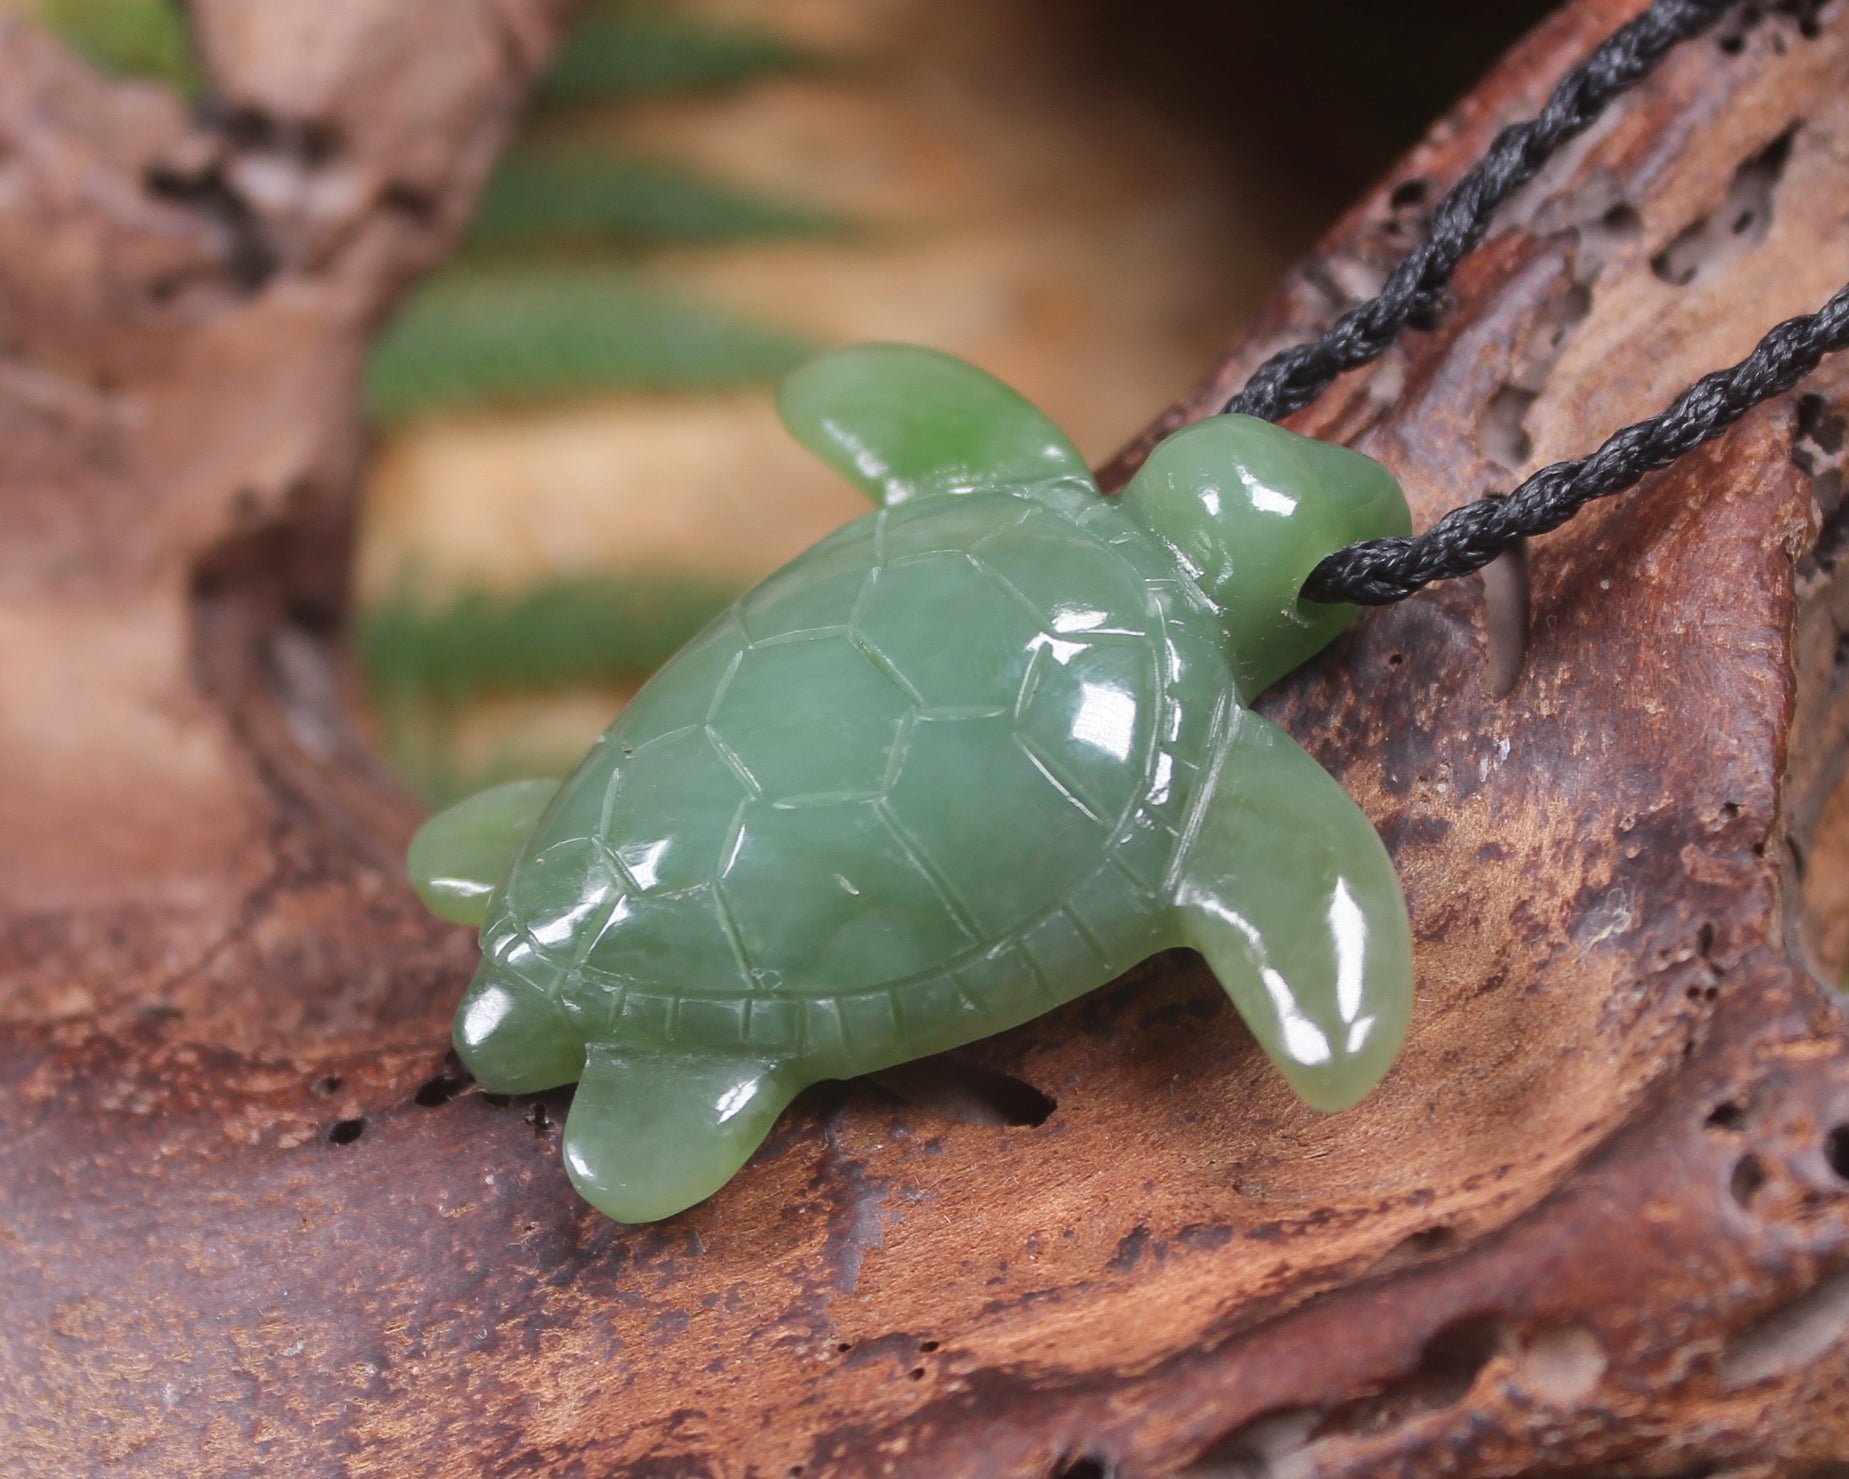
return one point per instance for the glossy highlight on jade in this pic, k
(971, 756)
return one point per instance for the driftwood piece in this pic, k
(1597, 1221)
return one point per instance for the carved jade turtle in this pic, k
(967, 758)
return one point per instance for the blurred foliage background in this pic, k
(579, 462)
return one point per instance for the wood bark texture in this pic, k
(1596, 1222)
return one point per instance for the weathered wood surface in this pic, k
(1597, 1221)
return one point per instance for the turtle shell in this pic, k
(920, 784)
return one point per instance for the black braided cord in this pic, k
(1294, 377)
(1379, 571)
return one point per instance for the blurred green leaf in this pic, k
(472, 339)
(138, 38)
(537, 197)
(592, 629)
(422, 758)
(617, 50)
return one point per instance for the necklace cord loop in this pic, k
(1381, 571)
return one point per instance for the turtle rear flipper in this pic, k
(464, 853)
(650, 1134)
(899, 422)
(1290, 896)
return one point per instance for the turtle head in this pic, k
(1252, 509)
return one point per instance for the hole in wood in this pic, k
(1729, 1115)
(1563, 1364)
(1507, 593)
(446, 1083)
(1448, 1367)
(1836, 1151)
(345, 1132)
(1740, 224)
(1260, 1448)
(1417, 1246)
(1456, 1353)
(1622, 220)
(1500, 431)
(1746, 1179)
(439, 1089)
(1791, 1336)
(1429, 1240)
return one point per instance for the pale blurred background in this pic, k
(579, 460)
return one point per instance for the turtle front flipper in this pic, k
(1287, 891)
(463, 854)
(900, 422)
(650, 1134)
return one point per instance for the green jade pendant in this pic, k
(971, 756)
